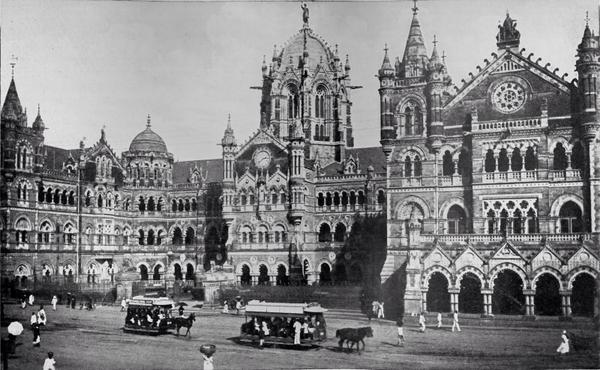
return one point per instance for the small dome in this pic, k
(148, 141)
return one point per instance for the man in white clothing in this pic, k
(455, 321)
(297, 331)
(422, 322)
(439, 318)
(54, 302)
(49, 362)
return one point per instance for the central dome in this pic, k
(148, 141)
(318, 50)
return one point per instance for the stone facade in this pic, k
(493, 176)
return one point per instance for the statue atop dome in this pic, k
(305, 15)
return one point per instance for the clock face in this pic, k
(508, 97)
(262, 158)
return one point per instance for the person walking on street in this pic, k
(33, 320)
(208, 362)
(23, 302)
(439, 318)
(123, 304)
(54, 302)
(41, 315)
(181, 310)
(563, 349)
(49, 362)
(455, 321)
(31, 299)
(36, 334)
(400, 326)
(380, 314)
(422, 322)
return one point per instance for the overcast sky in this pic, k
(189, 64)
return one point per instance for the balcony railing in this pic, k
(509, 176)
(561, 175)
(488, 238)
(504, 125)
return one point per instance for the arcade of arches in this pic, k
(508, 294)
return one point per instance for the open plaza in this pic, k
(83, 339)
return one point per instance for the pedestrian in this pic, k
(41, 315)
(33, 320)
(123, 304)
(31, 299)
(380, 314)
(563, 349)
(225, 307)
(49, 362)
(181, 310)
(73, 301)
(238, 306)
(208, 362)
(400, 325)
(68, 300)
(422, 322)
(36, 334)
(455, 321)
(23, 302)
(439, 318)
(297, 331)
(54, 302)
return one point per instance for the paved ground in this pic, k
(94, 340)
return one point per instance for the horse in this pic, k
(352, 336)
(186, 322)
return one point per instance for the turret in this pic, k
(229, 148)
(386, 82)
(588, 69)
(414, 61)
(38, 124)
(437, 81)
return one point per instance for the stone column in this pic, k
(529, 302)
(424, 301)
(254, 279)
(273, 280)
(453, 299)
(487, 302)
(566, 303)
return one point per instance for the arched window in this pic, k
(49, 195)
(340, 233)
(141, 236)
(293, 102)
(491, 222)
(490, 161)
(151, 238)
(408, 121)
(517, 222)
(277, 109)
(189, 236)
(180, 206)
(324, 233)
(151, 204)
(143, 272)
(381, 197)
(503, 160)
(457, 220)
(194, 205)
(560, 158)
(578, 156)
(44, 235)
(516, 161)
(56, 196)
(177, 236)
(72, 198)
(570, 217)
(407, 167)
(174, 205)
(187, 205)
(328, 200)
(503, 220)
(361, 197)
(418, 121)
(160, 204)
(320, 103)
(530, 159)
(159, 237)
(418, 168)
(142, 204)
(448, 164)
(532, 225)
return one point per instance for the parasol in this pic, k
(208, 349)
(15, 328)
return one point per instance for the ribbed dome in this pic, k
(148, 141)
(318, 51)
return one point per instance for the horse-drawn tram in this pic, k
(291, 324)
(149, 315)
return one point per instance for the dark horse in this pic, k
(185, 322)
(353, 335)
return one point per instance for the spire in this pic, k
(588, 41)
(508, 36)
(12, 109)
(13, 62)
(148, 125)
(38, 124)
(275, 56)
(415, 54)
(228, 137)
(347, 66)
(264, 66)
(435, 58)
(386, 66)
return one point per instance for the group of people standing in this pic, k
(376, 310)
(37, 320)
(423, 324)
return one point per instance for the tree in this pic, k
(367, 247)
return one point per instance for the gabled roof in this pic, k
(56, 157)
(369, 156)
(518, 61)
(212, 168)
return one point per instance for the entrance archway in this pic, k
(582, 296)
(325, 274)
(246, 279)
(508, 296)
(547, 296)
(470, 299)
(263, 275)
(143, 272)
(438, 298)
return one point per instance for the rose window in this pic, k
(508, 97)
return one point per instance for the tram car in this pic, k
(149, 315)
